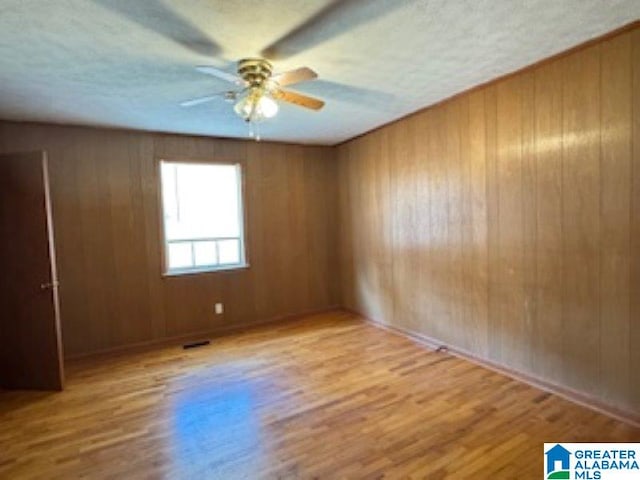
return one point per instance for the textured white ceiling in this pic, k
(128, 63)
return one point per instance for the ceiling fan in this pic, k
(332, 18)
(258, 90)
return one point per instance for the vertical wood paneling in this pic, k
(493, 223)
(615, 215)
(515, 221)
(547, 352)
(581, 204)
(151, 221)
(346, 227)
(529, 217)
(321, 233)
(379, 257)
(404, 215)
(439, 194)
(477, 285)
(96, 229)
(429, 246)
(509, 288)
(466, 279)
(634, 260)
(64, 187)
(105, 203)
(453, 250)
(422, 245)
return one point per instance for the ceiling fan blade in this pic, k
(336, 18)
(299, 99)
(367, 98)
(197, 101)
(298, 75)
(221, 74)
(166, 21)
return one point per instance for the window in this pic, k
(203, 216)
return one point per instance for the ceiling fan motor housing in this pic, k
(255, 71)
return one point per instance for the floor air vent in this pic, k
(202, 343)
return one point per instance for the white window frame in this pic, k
(243, 263)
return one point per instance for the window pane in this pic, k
(179, 255)
(229, 251)
(202, 212)
(205, 253)
(201, 201)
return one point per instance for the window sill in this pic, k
(199, 271)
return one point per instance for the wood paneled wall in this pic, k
(506, 222)
(105, 208)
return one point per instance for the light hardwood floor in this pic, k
(328, 396)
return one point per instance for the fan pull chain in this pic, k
(254, 130)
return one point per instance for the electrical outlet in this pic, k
(219, 309)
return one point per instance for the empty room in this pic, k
(320, 239)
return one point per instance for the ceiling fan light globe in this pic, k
(267, 107)
(256, 106)
(244, 107)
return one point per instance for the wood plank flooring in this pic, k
(328, 396)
